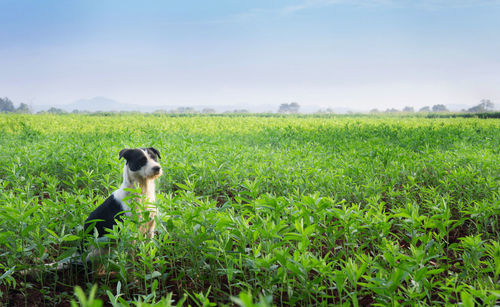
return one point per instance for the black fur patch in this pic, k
(153, 153)
(104, 216)
(136, 158)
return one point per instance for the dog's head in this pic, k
(142, 162)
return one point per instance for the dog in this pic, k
(142, 167)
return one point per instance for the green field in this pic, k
(297, 210)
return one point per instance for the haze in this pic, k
(326, 53)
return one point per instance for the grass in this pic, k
(258, 210)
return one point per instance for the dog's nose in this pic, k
(156, 169)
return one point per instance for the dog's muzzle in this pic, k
(156, 170)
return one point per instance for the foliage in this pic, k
(24, 108)
(54, 110)
(296, 210)
(289, 108)
(439, 108)
(484, 106)
(7, 106)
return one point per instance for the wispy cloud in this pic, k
(317, 4)
(257, 13)
(421, 4)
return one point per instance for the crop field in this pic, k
(257, 210)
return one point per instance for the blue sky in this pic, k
(360, 54)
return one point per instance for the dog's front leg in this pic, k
(148, 226)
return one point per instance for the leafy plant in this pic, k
(256, 210)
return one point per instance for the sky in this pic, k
(360, 54)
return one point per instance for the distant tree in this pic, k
(184, 110)
(294, 107)
(240, 111)
(54, 110)
(425, 109)
(408, 109)
(374, 111)
(160, 111)
(208, 111)
(24, 108)
(392, 110)
(324, 111)
(484, 106)
(291, 108)
(439, 108)
(6, 105)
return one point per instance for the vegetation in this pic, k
(293, 210)
(6, 106)
(439, 108)
(485, 105)
(289, 108)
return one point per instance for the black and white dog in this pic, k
(142, 167)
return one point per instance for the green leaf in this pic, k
(467, 299)
(152, 275)
(68, 238)
(52, 233)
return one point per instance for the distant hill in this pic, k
(99, 104)
(92, 105)
(107, 104)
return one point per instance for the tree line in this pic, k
(485, 105)
(7, 106)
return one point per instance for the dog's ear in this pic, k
(124, 153)
(155, 151)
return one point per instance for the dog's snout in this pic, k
(156, 169)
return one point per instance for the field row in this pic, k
(285, 211)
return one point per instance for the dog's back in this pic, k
(105, 215)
